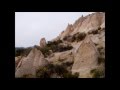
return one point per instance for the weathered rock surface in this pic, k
(85, 24)
(42, 42)
(66, 56)
(85, 58)
(67, 31)
(17, 60)
(30, 64)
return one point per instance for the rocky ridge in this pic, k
(86, 57)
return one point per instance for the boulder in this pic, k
(31, 63)
(85, 58)
(42, 42)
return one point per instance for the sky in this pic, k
(30, 27)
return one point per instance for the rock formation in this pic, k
(30, 64)
(42, 42)
(17, 60)
(85, 58)
(68, 30)
(85, 24)
(82, 58)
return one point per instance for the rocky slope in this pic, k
(80, 47)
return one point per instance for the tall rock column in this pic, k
(42, 42)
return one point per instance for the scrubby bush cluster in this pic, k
(28, 76)
(68, 63)
(53, 71)
(93, 32)
(22, 51)
(101, 58)
(45, 51)
(55, 47)
(79, 36)
(76, 37)
(68, 38)
(61, 48)
(69, 75)
(99, 28)
(54, 42)
(18, 51)
(97, 73)
(58, 70)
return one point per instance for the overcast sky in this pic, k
(30, 27)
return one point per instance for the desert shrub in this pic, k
(100, 49)
(61, 60)
(61, 48)
(103, 28)
(101, 59)
(95, 44)
(70, 75)
(65, 38)
(99, 28)
(54, 48)
(81, 36)
(89, 32)
(68, 38)
(22, 51)
(59, 41)
(73, 38)
(63, 72)
(46, 72)
(45, 51)
(36, 46)
(18, 51)
(59, 70)
(43, 72)
(78, 37)
(95, 32)
(97, 73)
(27, 76)
(26, 51)
(51, 68)
(68, 63)
(76, 75)
(50, 43)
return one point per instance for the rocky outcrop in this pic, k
(28, 65)
(82, 57)
(92, 22)
(42, 42)
(85, 58)
(85, 24)
(66, 56)
(67, 31)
